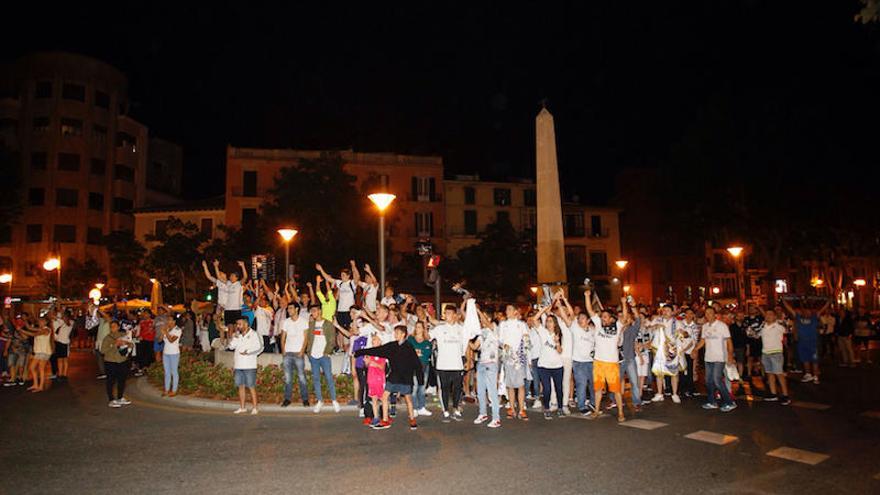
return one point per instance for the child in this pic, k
(375, 378)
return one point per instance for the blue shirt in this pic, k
(807, 327)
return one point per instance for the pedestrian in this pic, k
(375, 379)
(230, 290)
(629, 367)
(293, 346)
(171, 357)
(488, 345)
(102, 332)
(606, 367)
(320, 338)
(424, 347)
(715, 337)
(246, 345)
(773, 339)
(807, 336)
(146, 339)
(583, 342)
(515, 360)
(42, 352)
(63, 326)
(116, 348)
(451, 342)
(550, 360)
(844, 339)
(688, 332)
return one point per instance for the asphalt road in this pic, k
(67, 440)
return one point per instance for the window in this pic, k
(126, 141)
(530, 197)
(424, 189)
(123, 172)
(424, 224)
(71, 127)
(96, 201)
(34, 233)
(43, 89)
(596, 225)
(39, 159)
(71, 91)
(502, 197)
(66, 197)
(69, 162)
(102, 99)
(5, 234)
(99, 166)
(502, 217)
(598, 263)
(100, 134)
(470, 222)
(65, 233)
(573, 224)
(207, 226)
(161, 228)
(249, 183)
(36, 196)
(470, 196)
(248, 217)
(122, 205)
(94, 236)
(575, 262)
(41, 124)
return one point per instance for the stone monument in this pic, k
(551, 242)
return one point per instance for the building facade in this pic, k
(417, 181)
(207, 214)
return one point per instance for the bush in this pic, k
(199, 376)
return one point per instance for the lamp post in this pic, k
(54, 264)
(287, 235)
(6, 278)
(736, 252)
(382, 201)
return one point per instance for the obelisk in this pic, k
(551, 242)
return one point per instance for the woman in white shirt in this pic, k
(487, 342)
(550, 362)
(171, 357)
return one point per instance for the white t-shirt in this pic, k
(389, 300)
(583, 343)
(249, 343)
(607, 341)
(511, 333)
(319, 340)
(450, 346)
(566, 339)
(295, 331)
(347, 291)
(772, 335)
(172, 347)
(549, 357)
(229, 294)
(263, 317)
(535, 341)
(716, 334)
(489, 345)
(62, 331)
(370, 293)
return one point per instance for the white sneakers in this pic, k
(481, 419)
(807, 378)
(658, 398)
(254, 412)
(494, 424)
(336, 407)
(318, 406)
(423, 412)
(114, 404)
(240, 410)
(676, 399)
(566, 410)
(117, 403)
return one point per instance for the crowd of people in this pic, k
(560, 357)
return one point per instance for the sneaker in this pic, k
(445, 417)
(240, 410)
(547, 415)
(785, 401)
(9, 384)
(254, 411)
(560, 413)
(305, 403)
(566, 411)
(495, 423)
(412, 424)
(586, 413)
(285, 403)
(374, 422)
(336, 407)
(361, 413)
(658, 398)
(456, 415)
(771, 398)
(815, 380)
(424, 412)
(123, 401)
(807, 378)
(367, 421)
(676, 399)
(114, 404)
(318, 407)
(709, 405)
(481, 419)
(537, 405)
(100, 377)
(382, 425)
(728, 407)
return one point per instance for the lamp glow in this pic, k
(153, 281)
(287, 234)
(621, 264)
(716, 290)
(99, 286)
(5, 278)
(382, 200)
(859, 282)
(51, 264)
(95, 295)
(626, 289)
(735, 251)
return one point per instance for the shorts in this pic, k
(514, 377)
(42, 356)
(17, 359)
(772, 363)
(62, 350)
(158, 345)
(398, 388)
(606, 373)
(230, 316)
(248, 378)
(755, 346)
(807, 351)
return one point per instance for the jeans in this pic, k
(534, 385)
(170, 363)
(290, 361)
(117, 373)
(628, 368)
(715, 381)
(487, 388)
(548, 374)
(419, 390)
(686, 378)
(319, 366)
(268, 348)
(583, 383)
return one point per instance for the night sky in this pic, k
(626, 81)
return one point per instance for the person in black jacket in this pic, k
(405, 364)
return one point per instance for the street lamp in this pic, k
(99, 286)
(736, 252)
(287, 235)
(382, 201)
(5, 278)
(859, 282)
(621, 264)
(54, 264)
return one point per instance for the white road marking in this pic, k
(643, 424)
(712, 437)
(798, 455)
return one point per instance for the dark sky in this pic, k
(626, 81)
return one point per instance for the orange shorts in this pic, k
(606, 373)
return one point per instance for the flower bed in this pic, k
(199, 376)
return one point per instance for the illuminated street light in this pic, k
(153, 281)
(99, 286)
(716, 290)
(859, 282)
(626, 289)
(735, 251)
(382, 201)
(95, 295)
(287, 235)
(5, 278)
(817, 282)
(51, 264)
(621, 264)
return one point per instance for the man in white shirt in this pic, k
(515, 340)
(246, 345)
(370, 286)
(583, 342)
(229, 290)
(263, 314)
(606, 360)
(451, 345)
(715, 337)
(293, 345)
(772, 342)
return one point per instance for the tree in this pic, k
(502, 264)
(177, 255)
(126, 259)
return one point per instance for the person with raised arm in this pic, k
(550, 360)
(229, 290)
(370, 286)
(807, 335)
(606, 367)
(515, 345)
(451, 342)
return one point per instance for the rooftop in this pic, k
(210, 204)
(349, 156)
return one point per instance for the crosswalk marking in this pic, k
(871, 414)
(810, 405)
(643, 424)
(798, 455)
(712, 437)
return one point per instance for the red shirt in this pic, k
(147, 330)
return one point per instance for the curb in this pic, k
(147, 391)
